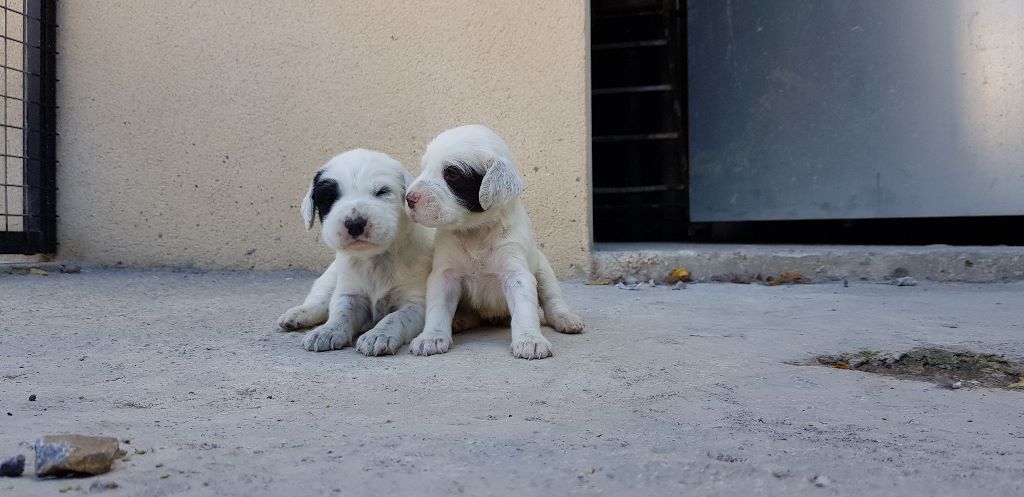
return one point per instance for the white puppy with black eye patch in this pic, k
(375, 288)
(485, 256)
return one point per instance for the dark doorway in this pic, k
(707, 113)
(638, 65)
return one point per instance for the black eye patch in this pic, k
(325, 193)
(465, 185)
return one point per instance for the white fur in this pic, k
(487, 260)
(375, 288)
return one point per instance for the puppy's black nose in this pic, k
(355, 226)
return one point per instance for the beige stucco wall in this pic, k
(190, 130)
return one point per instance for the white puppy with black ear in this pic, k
(375, 288)
(484, 253)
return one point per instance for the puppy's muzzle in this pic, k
(355, 226)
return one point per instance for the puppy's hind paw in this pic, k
(430, 344)
(532, 348)
(565, 322)
(298, 318)
(374, 343)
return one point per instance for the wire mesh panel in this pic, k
(27, 142)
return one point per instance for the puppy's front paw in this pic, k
(565, 322)
(430, 344)
(373, 343)
(298, 318)
(325, 338)
(536, 347)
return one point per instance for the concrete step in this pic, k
(821, 263)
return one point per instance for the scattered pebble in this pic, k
(905, 281)
(820, 481)
(13, 467)
(32, 398)
(950, 383)
(679, 286)
(846, 283)
(103, 486)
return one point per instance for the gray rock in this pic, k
(13, 467)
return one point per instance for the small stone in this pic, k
(103, 486)
(820, 481)
(905, 281)
(679, 286)
(32, 398)
(61, 455)
(13, 467)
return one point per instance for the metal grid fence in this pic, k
(27, 142)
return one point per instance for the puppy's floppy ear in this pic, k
(501, 184)
(307, 209)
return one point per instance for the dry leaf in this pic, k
(598, 281)
(787, 278)
(678, 274)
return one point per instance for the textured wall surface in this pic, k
(190, 130)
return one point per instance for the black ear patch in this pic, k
(325, 193)
(464, 183)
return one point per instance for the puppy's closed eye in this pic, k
(383, 191)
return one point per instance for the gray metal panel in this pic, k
(840, 109)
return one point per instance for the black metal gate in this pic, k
(28, 216)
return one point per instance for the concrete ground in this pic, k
(667, 393)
